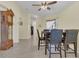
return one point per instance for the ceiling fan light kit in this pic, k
(43, 7)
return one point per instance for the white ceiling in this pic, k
(55, 8)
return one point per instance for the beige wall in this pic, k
(24, 29)
(69, 18)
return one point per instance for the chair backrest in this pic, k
(71, 36)
(56, 36)
(47, 33)
(38, 33)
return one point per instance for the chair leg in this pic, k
(75, 49)
(45, 50)
(50, 51)
(55, 47)
(65, 53)
(65, 47)
(38, 44)
(60, 51)
(46, 44)
(49, 55)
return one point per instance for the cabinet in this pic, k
(6, 29)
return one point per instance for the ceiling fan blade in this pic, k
(45, 3)
(36, 5)
(52, 2)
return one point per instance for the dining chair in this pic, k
(71, 38)
(40, 39)
(55, 39)
(47, 39)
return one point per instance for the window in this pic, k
(51, 24)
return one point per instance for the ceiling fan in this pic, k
(44, 5)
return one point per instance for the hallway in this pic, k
(27, 49)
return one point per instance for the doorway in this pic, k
(33, 24)
(51, 24)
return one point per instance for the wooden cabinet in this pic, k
(6, 29)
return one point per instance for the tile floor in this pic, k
(27, 49)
